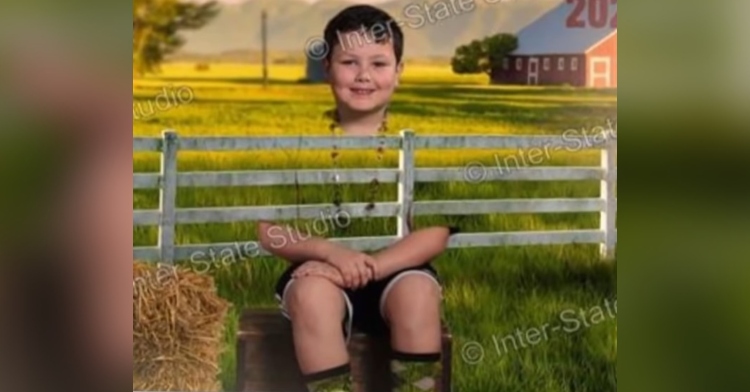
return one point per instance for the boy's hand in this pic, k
(321, 269)
(357, 268)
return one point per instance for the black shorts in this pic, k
(365, 306)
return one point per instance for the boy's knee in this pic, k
(414, 303)
(415, 292)
(314, 296)
(423, 286)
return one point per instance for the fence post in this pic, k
(406, 183)
(168, 196)
(608, 219)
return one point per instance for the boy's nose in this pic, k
(363, 76)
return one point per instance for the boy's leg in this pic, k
(316, 308)
(416, 372)
(337, 379)
(411, 306)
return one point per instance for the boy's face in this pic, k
(363, 73)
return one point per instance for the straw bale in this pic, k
(178, 329)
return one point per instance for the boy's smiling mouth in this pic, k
(363, 92)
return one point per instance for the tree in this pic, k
(481, 56)
(156, 27)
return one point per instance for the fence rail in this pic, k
(168, 180)
(359, 176)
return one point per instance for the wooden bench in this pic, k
(266, 360)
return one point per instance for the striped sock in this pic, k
(337, 379)
(415, 372)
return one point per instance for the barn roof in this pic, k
(550, 34)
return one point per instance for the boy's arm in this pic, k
(416, 249)
(287, 243)
(357, 268)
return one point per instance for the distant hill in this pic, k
(235, 33)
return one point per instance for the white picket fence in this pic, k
(406, 176)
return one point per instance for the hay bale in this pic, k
(178, 329)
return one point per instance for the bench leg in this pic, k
(446, 377)
(371, 367)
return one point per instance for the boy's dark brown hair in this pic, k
(378, 25)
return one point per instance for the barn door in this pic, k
(533, 72)
(600, 72)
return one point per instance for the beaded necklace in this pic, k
(335, 126)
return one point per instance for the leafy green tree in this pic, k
(156, 28)
(481, 56)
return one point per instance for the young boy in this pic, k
(394, 292)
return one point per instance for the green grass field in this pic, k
(524, 318)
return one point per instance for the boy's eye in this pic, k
(378, 64)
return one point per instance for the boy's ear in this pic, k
(327, 69)
(399, 73)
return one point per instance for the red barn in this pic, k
(574, 43)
